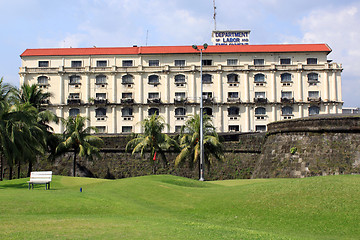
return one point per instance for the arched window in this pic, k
(180, 78)
(208, 111)
(127, 112)
(233, 111)
(100, 112)
(313, 77)
(180, 111)
(127, 79)
(285, 77)
(232, 78)
(313, 110)
(43, 80)
(153, 111)
(73, 112)
(260, 111)
(259, 78)
(287, 110)
(154, 79)
(207, 78)
(75, 79)
(100, 79)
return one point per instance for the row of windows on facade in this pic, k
(180, 79)
(180, 62)
(181, 96)
(180, 112)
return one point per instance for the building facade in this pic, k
(245, 87)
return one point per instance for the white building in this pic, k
(245, 86)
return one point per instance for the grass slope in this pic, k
(169, 207)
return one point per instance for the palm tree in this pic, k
(190, 142)
(79, 139)
(32, 94)
(152, 141)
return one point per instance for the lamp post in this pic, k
(201, 164)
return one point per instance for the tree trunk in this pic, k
(74, 166)
(29, 169)
(1, 167)
(19, 165)
(10, 173)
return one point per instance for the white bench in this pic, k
(40, 178)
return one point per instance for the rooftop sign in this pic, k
(232, 37)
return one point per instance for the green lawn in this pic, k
(168, 207)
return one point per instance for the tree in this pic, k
(152, 141)
(78, 139)
(190, 142)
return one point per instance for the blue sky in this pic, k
(112, 23)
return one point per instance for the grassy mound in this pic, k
(169, 207)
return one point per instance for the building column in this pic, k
(113, 76)
(247, 120)
(141, 118)
(114, 130)
(220, 87)
(87, 80)
(167, 88)
(193, 84)
(247, 88)
(141, 89)
(62, 117)
(273, 82)
(221, 127)
(274, 113)
(62, 97)
(301, 86)
(334, 96)
(167, 118)
(301, 110)
(326, 86)
(327, 109)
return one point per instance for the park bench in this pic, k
(40, 178)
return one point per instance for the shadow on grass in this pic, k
(18, 185)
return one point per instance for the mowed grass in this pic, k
(169, 207)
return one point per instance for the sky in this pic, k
(122, 23)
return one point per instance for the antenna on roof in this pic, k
(214, 15)
(147, 35)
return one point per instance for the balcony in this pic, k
(127, 100)
(314, 99)
(180, 100)
(154, 100)
(73, 101)
(233, 100)
(208, 100)
(287, 100)
(101, 101)
(260, 100)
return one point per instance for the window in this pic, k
(314, 110)
(178, 129)
(232, 62)
(285, 77)
(259, 78)
(154, 79)
(127, 112)
(101, 63)
(232, 78)
(208, 111)
(154, 63)
(127, 63)
(126, 129)
(313, 96)
(180, 111)
(206, 78)
(180, 96)
(43, 80)
(206, 62)
(233, 111)
(234, 128)
(101, 129)
(207, 95)
(43, 63)
(180, 78)
(127, 79)
(101, 96)
(179, 63)
(100, 79)
(260, 95)
(74, 95)
(285, 61)
(76, 64)
(153, 111)
(259, 62)
(311, 60)
(286, 95)
(100, 112)
(233, 95)
(260, 111)
(287, 110)
(75, 79)
(313, 77)
(73, 112)
(126, 95)
(154, 95)
(260, 128)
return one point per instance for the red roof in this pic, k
(278, 48)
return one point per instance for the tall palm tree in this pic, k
(152, 141)
(79, 139)
(32, 94)
(190, 142)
